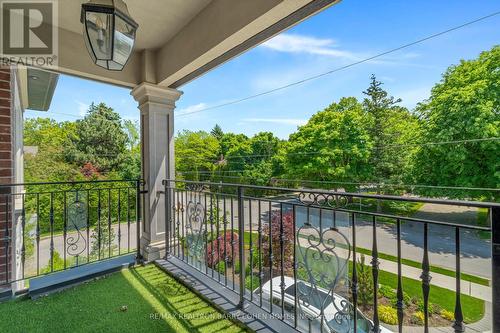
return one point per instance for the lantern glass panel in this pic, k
(99, 31)
(124, 41)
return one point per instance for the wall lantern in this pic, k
(109, 32)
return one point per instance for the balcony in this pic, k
(324, 261)
(269, 257)
(170, 255)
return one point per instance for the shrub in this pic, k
(255, 258)
(252, 282)
(387, 292)
(276, 219)
(215, 215)
(220, 267)
(365, 282)
(57, 264)
(448, 315)
(434, 308)
(220, 247)
(236, 268)
(388, 315)
(101, 238)
(392, 296)
(417, 318)
(406, 299)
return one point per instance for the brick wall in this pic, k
(6, 169)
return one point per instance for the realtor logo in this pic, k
(29, 32)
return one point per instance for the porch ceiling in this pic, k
(155, 30)
(179, 40)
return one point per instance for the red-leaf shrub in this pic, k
(88, 170)
(221, 246)
(288, 242)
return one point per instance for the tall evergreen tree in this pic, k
(217, 132)
(100, 139)
(380, 107)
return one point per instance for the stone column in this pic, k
(156, 105)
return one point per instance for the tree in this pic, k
(464, 105)
(100, 139)
(48, 164)
(217, 132)
(47, 133)
(280, 222)
(102, 242)
(196, 154)
(131, 128)
(365, 282)
(250, 159)
(334, 145)
(130, 167)
(382, 109)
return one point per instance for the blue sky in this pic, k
(349, 31)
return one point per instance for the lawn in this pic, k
(142, 299)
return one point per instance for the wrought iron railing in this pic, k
(54, 226)
(296, 253)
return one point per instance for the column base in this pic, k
(153, 251)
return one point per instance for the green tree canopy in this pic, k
(100, 139)
(46, 132)
(334, 145)
(465, 105)
(195, 153)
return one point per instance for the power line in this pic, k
(342, 67)
(357, 183)
(435, 143)
(48, 114)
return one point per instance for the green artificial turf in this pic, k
(141, 299)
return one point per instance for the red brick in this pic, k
(4, 138)
(5, 102)
(4, 129)
(5, 146)
(4, 111)
(5, 93)
(5, 172)
(4, 121)
(5, 76)
(5, 85)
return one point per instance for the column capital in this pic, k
(152, 93)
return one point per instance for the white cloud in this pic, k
(192, 108)
(304, 44)
(82, 108)
(285, 121)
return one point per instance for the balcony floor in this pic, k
(140, 299)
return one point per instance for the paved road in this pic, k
(80, 248)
